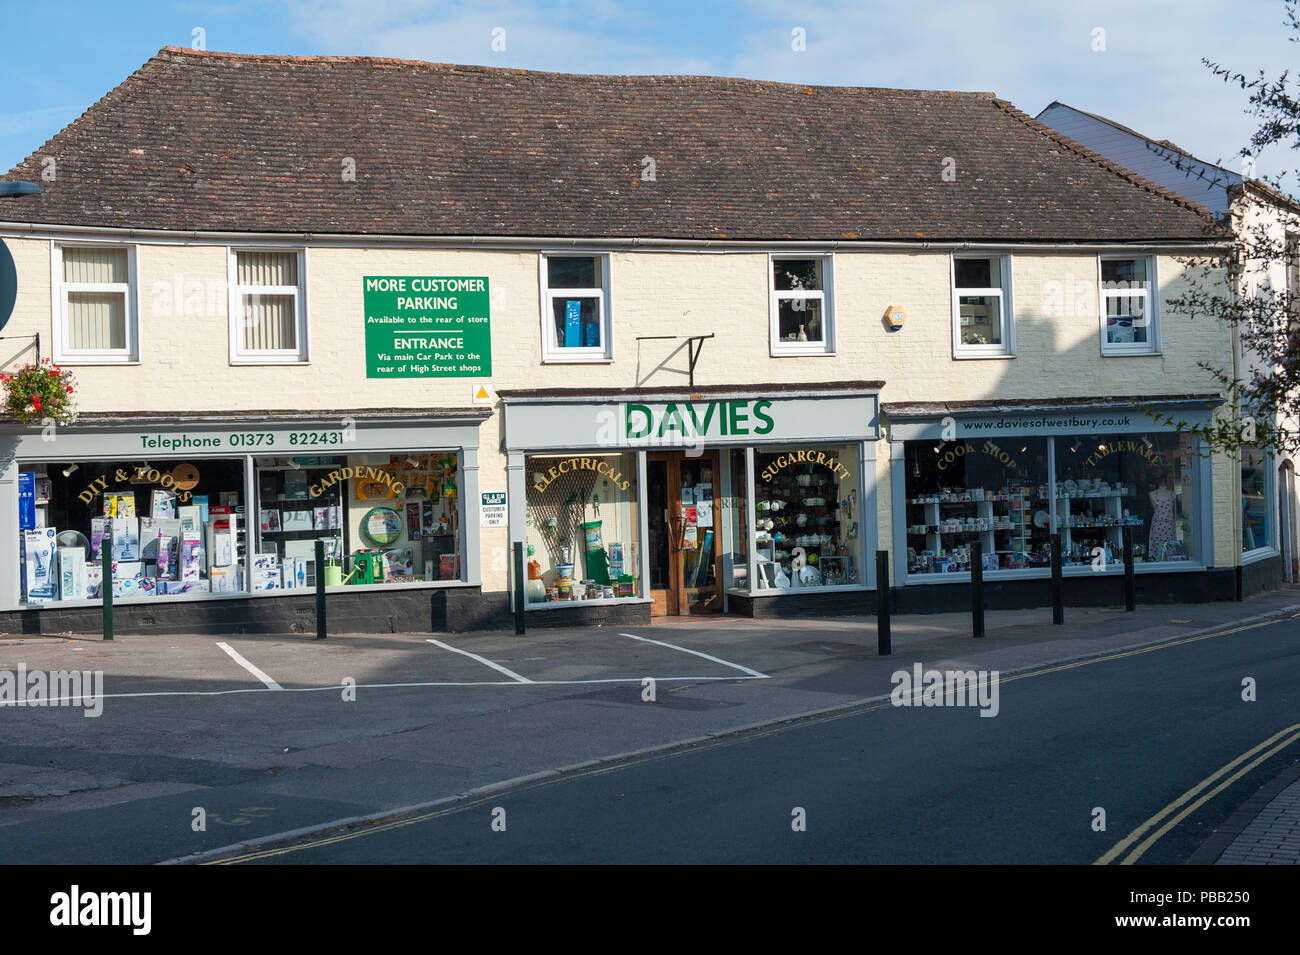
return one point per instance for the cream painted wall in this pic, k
(184, 362)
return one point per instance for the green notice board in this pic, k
(424, 326)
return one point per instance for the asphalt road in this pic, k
(1127, 733)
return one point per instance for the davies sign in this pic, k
(688, 423)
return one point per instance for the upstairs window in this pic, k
(1129, 313)
(801, 305)
(575, 308)
(268, 320)
(981, 295)
(97, 313)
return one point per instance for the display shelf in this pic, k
(941, 527)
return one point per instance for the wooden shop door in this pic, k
(685, 527)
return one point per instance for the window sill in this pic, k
(250, 360)
(594, 602)
(964, 355)
(90, 360)
(1258, 554)
(591, 359)
(1112, 352)
(788, 352)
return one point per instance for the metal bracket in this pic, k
(692, 348)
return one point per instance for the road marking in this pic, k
(484, 660)
(234, 655)
(883, 703)
(673, 646)
(1133, 836)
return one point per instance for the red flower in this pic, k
(36, 401)
(68, 389)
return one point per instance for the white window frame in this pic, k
(552, 350)
(826, 295)
(1152, 294)
(1271, 545)
(1003, 293)
(239, 355)
(65, 355)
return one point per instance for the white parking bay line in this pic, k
(484, 660)
(234, 655)
(673, 646)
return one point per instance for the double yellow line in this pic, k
(1260, 753)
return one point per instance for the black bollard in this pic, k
(1130, 583)
(977, 588)
(320, 589)
(883, 646)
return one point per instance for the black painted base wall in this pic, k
(1086, 591)
(461, 609)
(840, 604)
(1261, 575)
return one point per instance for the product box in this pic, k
(191, 518)
(94, 581)
(269, 519)
(126, 569)
(38, 558)
(162, 503)
(148, 538)
(171, 587)
(126, 538)
(334, 517)
(222, 527)
(148, 586)
(72, 573)
(224, 580)
(321, 518)
(447, 567)
(293, 573)
(165, 557)
(119, 504)
(191, 555)
(201, 502)
(399, 561)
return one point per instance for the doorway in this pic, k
(685, 529)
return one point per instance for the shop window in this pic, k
(1129, 310)
(981, 295)
(807, 517)
(736, 510)
(802, 305)
(172, 527)
(582, 528)
(575, 307)
(994, 491)
(97, 319)
(267, 306)
(389, 519)
(1105, 482)
(1256, 527)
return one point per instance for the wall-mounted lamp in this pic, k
(67, 472)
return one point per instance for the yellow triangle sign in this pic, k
(482, 392)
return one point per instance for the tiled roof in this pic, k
(197, 140)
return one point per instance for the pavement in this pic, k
(250, 726)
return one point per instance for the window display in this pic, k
(582, 527)
(384, 518)
(959, 492)
(172, 527)
(806, 517)
(1254, 506)
(1106, 482)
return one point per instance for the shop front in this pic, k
(202, 518)
(1009, 476)
(755, 500)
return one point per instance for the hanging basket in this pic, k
(39, 392)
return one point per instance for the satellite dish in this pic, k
(73, 539)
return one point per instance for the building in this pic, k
(1267, 225)
(699, 343)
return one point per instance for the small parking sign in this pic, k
(492, 509)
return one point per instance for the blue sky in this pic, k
(56, 59)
